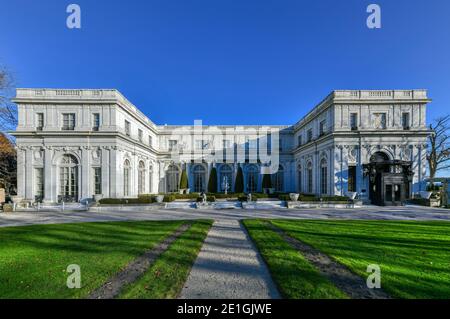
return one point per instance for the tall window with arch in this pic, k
(252, 179)
(68, 178)
(300, 182)
(126, 178)
(150, 177)
(226, 177)
(199, 178)
(278, 179)
(324, 177)
(172, 178)
(141, 178)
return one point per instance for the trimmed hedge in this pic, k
(208, 199)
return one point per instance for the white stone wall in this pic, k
(108, 147)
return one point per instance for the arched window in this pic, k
(309, 176)
(252, 179)
(323, 176)
(68, 178)
(226, 177)
(300, 183)
(172, 177)
(199, 178)
(150, 177)
(126, 178)
(278, 179)
(141, 178)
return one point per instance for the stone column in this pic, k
(48, 175)
(85, 187)
(21, 172)
(29, 174)
(105, 157)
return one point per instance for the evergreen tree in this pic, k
(239, 183)
(267, 181)
(212, 183)
(184, 180)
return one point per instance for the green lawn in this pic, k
(414, 256)
(167, 275)
(33, 259)
(295, 276)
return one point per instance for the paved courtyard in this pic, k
(117, 214)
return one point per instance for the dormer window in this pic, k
(299, 140)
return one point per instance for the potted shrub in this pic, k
(159, 198)
(294, 196)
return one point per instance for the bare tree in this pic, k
(439, 147)
(8, 110)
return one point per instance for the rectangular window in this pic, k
(97, 181)
(352, 178)
(39, 179)
(322, 125)
(127, 128)
(379, 120)
(40, 121)
(354, 121)
(140, 135)
(405, 121)
(299, 140)
(68, 121)
(95, 121)
(280, 144)
(309, 135)
(150, 140)
(172, 145)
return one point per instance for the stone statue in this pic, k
(249, 197)
(204, 198)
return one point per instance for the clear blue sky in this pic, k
(229, 61)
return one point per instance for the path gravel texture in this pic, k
(229, 266)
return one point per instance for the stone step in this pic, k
(227, 205)
(264, 205)
(181, 205)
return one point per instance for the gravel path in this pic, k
(229, 266)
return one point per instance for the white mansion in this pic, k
(73, 144)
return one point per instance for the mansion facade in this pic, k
(74, 144)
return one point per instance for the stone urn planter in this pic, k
(159, 198)
(294, 197)
(16, 199)
(98, 197)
